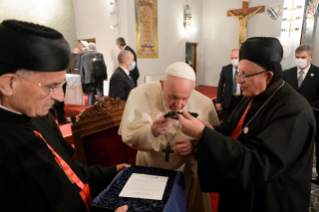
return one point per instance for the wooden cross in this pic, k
(246, 10)
(167, 151)
(242, 15)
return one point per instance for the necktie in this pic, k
(240, 124)
(235, 81)
(85, 190)
(300, 79)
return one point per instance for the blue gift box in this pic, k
(174, 198)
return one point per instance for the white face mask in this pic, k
(301, 63)
(234, 62)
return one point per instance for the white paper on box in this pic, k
(144, 186)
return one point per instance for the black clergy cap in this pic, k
(266, 52)
(30, 46)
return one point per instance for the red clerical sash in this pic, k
(240, 124)
(85, 190)
(214, 197)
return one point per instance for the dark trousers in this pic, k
(233, 103)
(92, 87)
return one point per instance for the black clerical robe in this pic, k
(269, 168)
(30, 178)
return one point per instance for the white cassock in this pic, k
(144, 105)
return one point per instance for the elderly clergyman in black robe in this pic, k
(37, 172)
(260, 159)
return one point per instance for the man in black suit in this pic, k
(91, 84)
(121, 83)
(134, 74)
(228, 92)
(304, 78)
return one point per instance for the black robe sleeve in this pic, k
(97, 176)
(225, 163)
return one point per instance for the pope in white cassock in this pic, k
(144, 128)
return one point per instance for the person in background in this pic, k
(134, 74)
(228, 92)
(121, 83)
(304, 78)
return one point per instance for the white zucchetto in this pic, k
(181, 70)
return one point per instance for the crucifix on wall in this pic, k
(242, 15)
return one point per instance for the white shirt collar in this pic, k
(12, 111)
(126, 71)
(305, 71)
(124, 47)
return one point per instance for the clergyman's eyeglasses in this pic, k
(243, 76)
(48, 89)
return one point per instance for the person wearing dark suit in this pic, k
(121, 83)
(91, 84)
(304, 78)
(228, 92)
(134, 74)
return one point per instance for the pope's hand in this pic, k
(119, 167)
(190, 125)
(162, 125)
(122, 209)
(183, 147)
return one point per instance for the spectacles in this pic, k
(48, 89)
(243, 77)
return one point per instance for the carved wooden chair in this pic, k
(95, 134)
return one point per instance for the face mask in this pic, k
(301, 63)
(234, 62)
(132, 66)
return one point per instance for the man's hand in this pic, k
(119, 167)
(162, 125)
(183, 147)
(219, 106)
(122, 209)
(190, 126)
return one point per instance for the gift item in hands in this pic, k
(174, 198)
(172, 114)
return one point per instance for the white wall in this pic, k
(57, 14)
(93, 20)
(220, 33)
(315, 60)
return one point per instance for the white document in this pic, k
(144, 186)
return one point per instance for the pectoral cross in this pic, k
(242, 15)
(167, 152)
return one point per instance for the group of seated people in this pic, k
(258, 159)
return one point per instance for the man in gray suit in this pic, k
(121, 83)
(91, 84)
